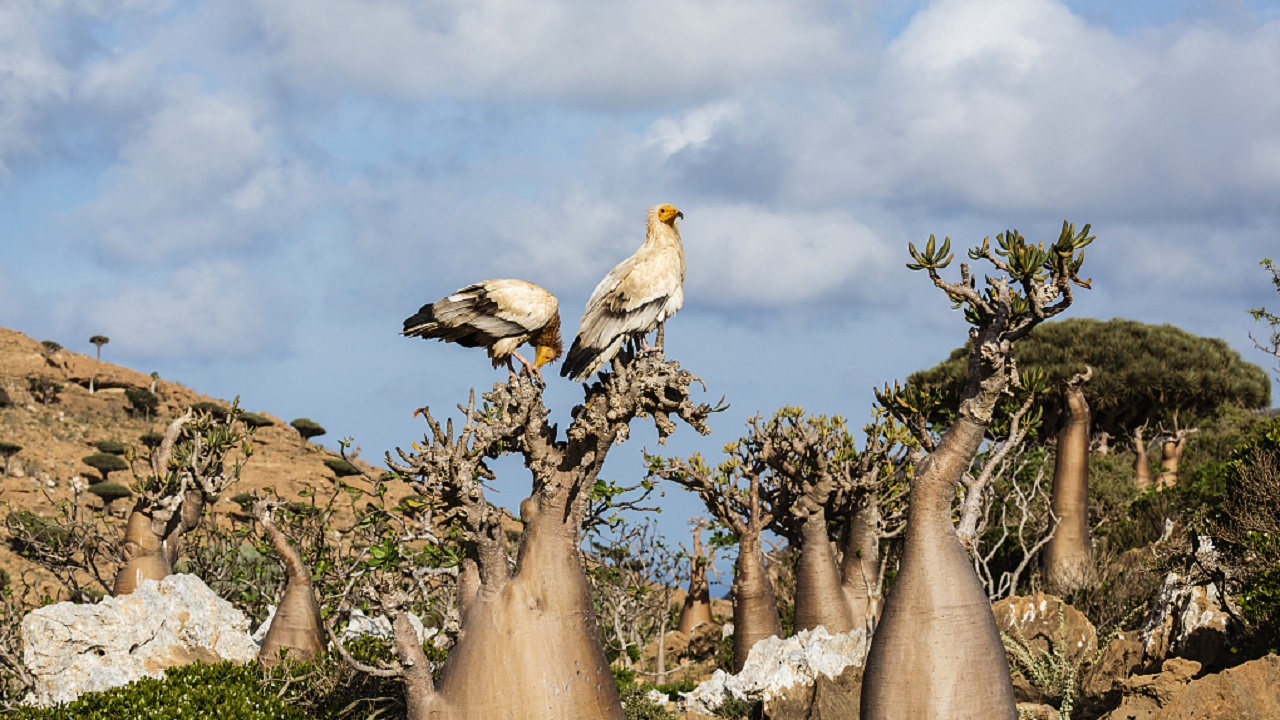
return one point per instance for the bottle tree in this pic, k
(937, 652)
(529, 645)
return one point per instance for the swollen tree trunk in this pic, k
(697, 602)
(529, 647)
(1068, 557)
(1171, 448)
(937, 652)
(174, 496)
(146, 556)
(860, 572)
(755, 609)
(296, 627)
(820, 599)
(1141, 465)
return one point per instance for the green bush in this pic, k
(106, 464)
(216, 411)
(151, 439)
(37, 528)
(341, 467)
(257, 420)
(110, 492)
(143, 401)
(110, 447)
(193, 691)
(307, 428)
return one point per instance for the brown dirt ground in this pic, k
(56, 437)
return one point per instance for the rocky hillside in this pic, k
(55, 437)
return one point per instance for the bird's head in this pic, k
(545, 354)
(668, 214)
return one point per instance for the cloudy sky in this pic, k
(249, 196)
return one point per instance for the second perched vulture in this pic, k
(500, 315)
(633, 299)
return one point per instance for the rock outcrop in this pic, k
(1244, 692)
(775, 666)
(1189, 622)
(72, 649)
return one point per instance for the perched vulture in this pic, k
(633, 299)
(500, 315)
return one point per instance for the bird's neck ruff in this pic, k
(660, 233)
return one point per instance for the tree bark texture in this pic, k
(529, 648)
(860, 578)
(1171, 448)
(755, 609)
(296, 627)
(937, 653)
(1068, 557)
(820, 599)
(1141, 464)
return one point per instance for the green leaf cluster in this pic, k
(200, 690)
(1142, 373)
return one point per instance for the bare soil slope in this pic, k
(56, 437)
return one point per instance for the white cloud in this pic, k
(33, 80)
(203, 310)
(583, 52)
(741, 256)
(199, 176)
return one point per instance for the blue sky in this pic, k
(249, 196)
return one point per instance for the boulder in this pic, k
(1244, 692)
(1047, 628)
(72, 649)
(1118, 660)
(827, 698)
(1145, 695)
(1190, 622)
(775, 665)
(1037, 711)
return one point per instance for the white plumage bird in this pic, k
(500, 315)
(636, 297)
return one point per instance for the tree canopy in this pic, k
(1142, 373)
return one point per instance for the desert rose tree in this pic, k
(529, 645)
(201, 454)
(937, 652)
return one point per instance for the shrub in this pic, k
(214, 410)
(43, 389)
(341, 467)
(110, 492)
(151, 439)
(37, 528)
(105, 463)
(307, 428)
(111, 447)
(256, 420)
(199, 690)
(142, 401)
(8, 450)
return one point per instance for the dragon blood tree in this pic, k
(194, 463)
(937, 652)
(528, 645)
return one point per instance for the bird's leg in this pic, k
(528, 366)
(511, 370)
(646, 348)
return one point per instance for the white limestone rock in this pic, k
(72, 649)
(775, 665)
